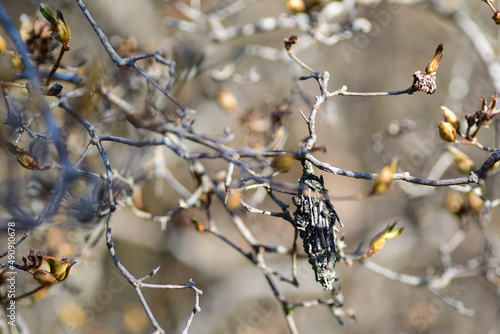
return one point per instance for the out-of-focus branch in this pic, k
(131, 62)
(138, 283)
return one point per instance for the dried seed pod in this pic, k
(315, 219)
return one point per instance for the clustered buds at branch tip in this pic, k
(461, 206)
(59, 29)
(58, 270)
(481, 117)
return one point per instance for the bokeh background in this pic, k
(236, 297)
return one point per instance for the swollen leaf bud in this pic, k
(454, 202)
(378, 242)
(450, 117)
(228, 100)
(59, 269)
(463, 163)
(475, 202)
(233, 199)
(59, 30)
(44, 277)
(25, 158)
(62, 270)
(47, 13)
(384, 179)
(62, 32)
(447, 131)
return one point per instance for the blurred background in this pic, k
(357, 133)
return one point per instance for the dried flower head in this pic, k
(482, 117)
(289, 41)
(36, 36)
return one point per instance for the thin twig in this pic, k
(130, 62)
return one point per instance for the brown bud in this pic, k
(496, 17)
(289, 41)
(447, 131)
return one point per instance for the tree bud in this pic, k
(447, 131)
